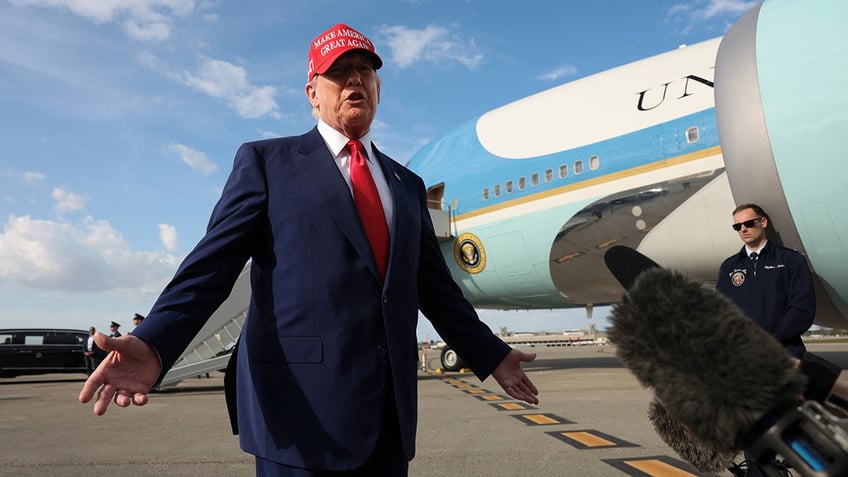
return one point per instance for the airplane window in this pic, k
(578, 166)
(508, 187)
(486, 193)
(549, 175)
(497, 190)
(563, 171)
(522, 183)
(534, 179)
(693, 134)
(594, 162)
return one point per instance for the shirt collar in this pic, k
(758, 250)
(337, 141)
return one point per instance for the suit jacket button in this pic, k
(385, 298)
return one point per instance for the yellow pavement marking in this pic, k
(491, 397)
(588, 439)
(541, 419)
(477, 391)
(511, 406)
(658, 468)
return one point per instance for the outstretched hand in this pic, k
(512, 378)
(127, 374)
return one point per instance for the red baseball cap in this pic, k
(327, 47)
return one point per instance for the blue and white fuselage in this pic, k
(544, 185)
(528, 197)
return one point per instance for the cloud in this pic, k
(225, 81)
(265, 134)
(432, 44)
(558, 72)
(146, 20)
(25, 177)
(721, 8)
(697, 12)
(154, 31)
(194, 158)
(168, 236)
(68, 201)
(30, 177)
(89, 256)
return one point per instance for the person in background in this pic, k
(343, 256)
(93, 354)
(771, 284)
(137, 319)
(113, 327)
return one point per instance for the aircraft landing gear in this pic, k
(451, 361)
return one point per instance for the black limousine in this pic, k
(30, 351)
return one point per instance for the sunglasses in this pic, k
(748, 224)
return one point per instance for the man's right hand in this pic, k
(127, 374)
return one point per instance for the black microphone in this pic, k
(718, 374)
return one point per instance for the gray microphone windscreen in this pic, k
(714, 370)
(701, 456)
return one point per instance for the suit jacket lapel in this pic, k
(319, 166)
(400, 199)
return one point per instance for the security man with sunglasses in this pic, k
(769, 283)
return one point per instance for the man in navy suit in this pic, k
(326, 364)
(770, 283)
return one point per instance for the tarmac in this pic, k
(591, 421)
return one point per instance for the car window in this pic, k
(5, 339)
(62, 339)
(34, 339)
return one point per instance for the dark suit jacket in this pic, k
(324, 336)
(781, 297)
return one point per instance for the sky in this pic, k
(119, 119)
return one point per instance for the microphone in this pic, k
(701, 456)
(716, 371)
(722, 383)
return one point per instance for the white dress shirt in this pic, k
(337, 143)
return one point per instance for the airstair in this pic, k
(210, 350)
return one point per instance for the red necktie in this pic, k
(369, 206)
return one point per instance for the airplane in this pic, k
(653, 155)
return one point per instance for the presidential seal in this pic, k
(737, 279)
(469, 253)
